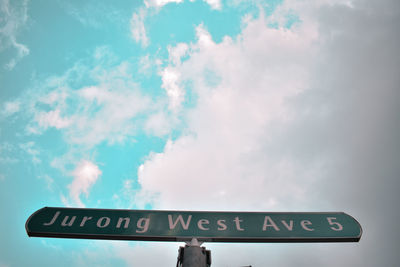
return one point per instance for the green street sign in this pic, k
(157, 225)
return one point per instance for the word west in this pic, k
(179, 222)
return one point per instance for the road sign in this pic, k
(153, 225)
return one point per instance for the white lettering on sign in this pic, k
(53, 219)
(143, 225)
(237, 222)
(66, 223)
(288, 226)
(221, 225)
(86, 218)
(336, 226)
(268, 222)
(172, 225)
(201, 223)
(127, 221)
(180, 222)
(304, 224)
(105, 224)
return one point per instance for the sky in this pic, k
(275, 105)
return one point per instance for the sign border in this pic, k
(199, 238)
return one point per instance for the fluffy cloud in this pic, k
(170, 79)
(113, 109)
(138, 19)
(10, 108)
(12, 18)
(160, 3)
(242, 88)
(215, 4)
(138, 29)
(52, 119)
(85, 176)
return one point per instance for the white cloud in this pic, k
(93, 13)
(138, 19)
(113, 109)
(176, 53)
(159, 124)
(49, 181)
(126, 197)
(145, 65)
(138, 29)
(214, 4)
(107, 114)
(160, 3)
(85, 176)
(10, 108)
(170, 82)
(52, 119)
(22, 51)
(30, 149)
(12, 18)
(225, 155)
(203, 36)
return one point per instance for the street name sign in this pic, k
(163, 225)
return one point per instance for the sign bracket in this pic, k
(193, 255)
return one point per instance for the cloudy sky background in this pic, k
(200, 105)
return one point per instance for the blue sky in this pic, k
(200, 105)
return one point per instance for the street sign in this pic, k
(157, 225)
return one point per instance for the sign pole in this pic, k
(192, 255)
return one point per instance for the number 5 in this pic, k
(338, 227)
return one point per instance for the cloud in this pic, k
(49, 182)
(52, 119)
(30, 149)
(112, 109)
(94, 14)
(13, 17)
(160, 124)
(160, 3)
(170, 78)
(85, 176)
(126, 197)
(10, 108)
(138, 29)
(177, 52)
(214, 4)
(102, 104)
(234, 122)
(138, 19)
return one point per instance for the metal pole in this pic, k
(192, 255)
